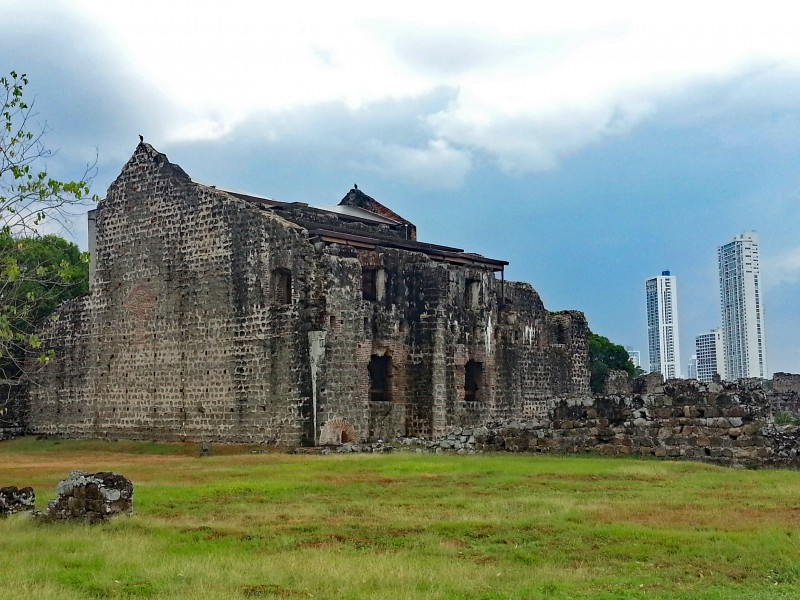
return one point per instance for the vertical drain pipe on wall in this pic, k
(316, 352)
(91, 224)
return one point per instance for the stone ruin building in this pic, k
(220, 316)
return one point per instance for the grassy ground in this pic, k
(403, 526)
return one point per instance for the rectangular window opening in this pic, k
(472, 293)
(373, 282)
(282, 286)
(379, 377)
(473, 380)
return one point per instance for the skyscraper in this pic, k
(662, 325)
(691, 368)
(742, 310)
(710, 355)
(634, 356)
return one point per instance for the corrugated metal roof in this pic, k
(359, 213)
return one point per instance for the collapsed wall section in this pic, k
(730, 424)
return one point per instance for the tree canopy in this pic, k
(604, 356)
(36, 275)
(36, 272)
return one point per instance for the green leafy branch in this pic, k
(29, 195)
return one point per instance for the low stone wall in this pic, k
(784, 397)
(786, 382)
(724, 423)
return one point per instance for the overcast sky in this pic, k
(592, 144)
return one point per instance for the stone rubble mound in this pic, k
(14, 500)
(91, 497)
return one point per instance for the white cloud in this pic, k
(532, 83)
(782, 269)
(438, 165)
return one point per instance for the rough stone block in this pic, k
(91, 497)
(14, 500)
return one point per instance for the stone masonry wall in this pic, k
(179, 338)
(426, 320)
(786, 383)
(13, 403)
(214, 318)
(723, 423)
(785, 396)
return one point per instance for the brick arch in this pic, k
(337, 431)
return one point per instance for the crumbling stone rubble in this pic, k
(91, 497)
(14, 500)
(785, 441)
(724, 423)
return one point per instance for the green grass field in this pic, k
(244, 525)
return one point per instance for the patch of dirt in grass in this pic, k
(632, 477)
(403, 532)
(266, 590)
(331, 540)
(210, 534)
(87, 460)
(782, 515)
(317, 544)
(733, 518)
(388, 481)
(738, 574)
(482, 559)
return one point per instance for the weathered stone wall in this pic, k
(430, 326)
(724, 423)
(215, 318)
(786, 383)
(13, 408)
(179, 338)
(784, 396)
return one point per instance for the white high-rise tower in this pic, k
(662, 325)
(742, 309)
(710, 355)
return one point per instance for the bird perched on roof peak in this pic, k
(141, 139)
(355, 186)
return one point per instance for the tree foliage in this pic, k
(29, 195)
(36, 275)
(605, 356)
(36, 272)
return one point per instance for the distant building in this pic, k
(710, 351)
(691, 368)
(634, 356)
(742, 308)
(662, 325)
